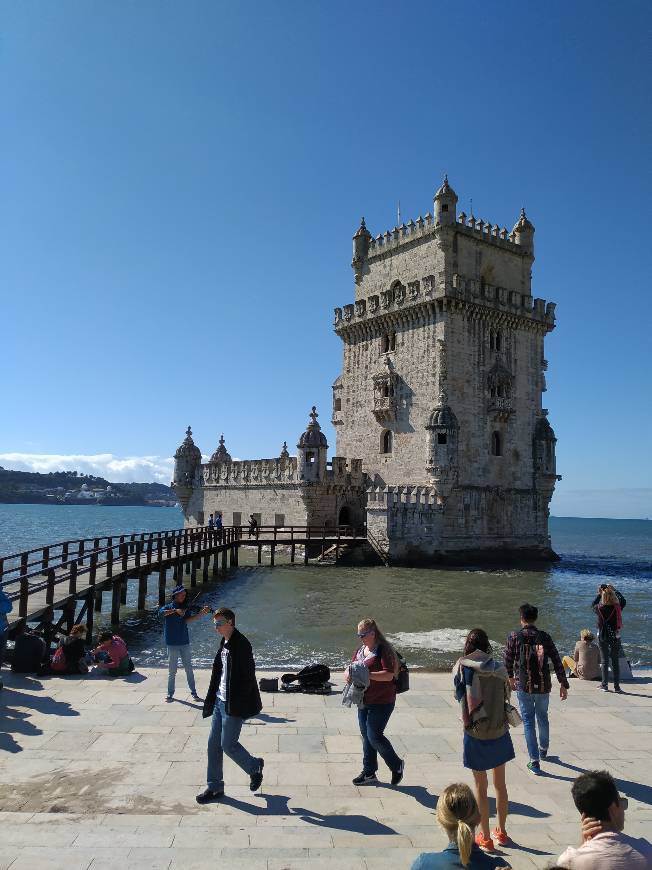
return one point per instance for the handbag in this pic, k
(268, 684)
(512, 715)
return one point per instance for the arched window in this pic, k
(389, 342)
(496, 444)
(386, 442)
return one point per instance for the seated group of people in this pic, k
(32, 654)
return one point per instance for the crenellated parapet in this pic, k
(388, 497)
(423, 297)
(250, 472)
(345, 472)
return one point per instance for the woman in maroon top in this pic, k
(378, 703)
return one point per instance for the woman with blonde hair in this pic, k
(378, 701)
(608, 606)
(585, 661)
(458, 814)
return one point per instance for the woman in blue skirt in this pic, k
(482, 689)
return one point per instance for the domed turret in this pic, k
(186, 460)
(360, 249)
(523, 232)
(221, 454)
(441, 463)
(445, 204)
(312, 449)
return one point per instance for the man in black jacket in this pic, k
(232, 697)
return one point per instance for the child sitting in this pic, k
(112, 655)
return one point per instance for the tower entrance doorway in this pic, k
(344, 518)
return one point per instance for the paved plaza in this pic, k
(103, 775)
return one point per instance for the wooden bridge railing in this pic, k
(64, 562)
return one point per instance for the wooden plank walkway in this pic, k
(58, 576)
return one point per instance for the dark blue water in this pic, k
(294, 613)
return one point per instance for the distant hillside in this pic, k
(71, 487)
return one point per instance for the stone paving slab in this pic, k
(101, 775)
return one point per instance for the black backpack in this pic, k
(533, 676)
(403, 676)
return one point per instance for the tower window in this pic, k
(337, 405)
(441, 438)
(444, 206)
(386, 442)
(310, 458)
(495, 340)
(496, 444)
(389, 342)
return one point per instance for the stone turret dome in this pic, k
(221, 454)
(188, 449)
(442, 417)
(362, 230)
(313, 436)
(523, 223)
(446, 191)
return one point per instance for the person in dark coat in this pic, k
(232, 697)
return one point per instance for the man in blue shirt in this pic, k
(5, 607)
(176, 615)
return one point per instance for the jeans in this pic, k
(609, 649)
(224, 737)
(373, 721)
(186, 659)
(3, 646)
(535, 706)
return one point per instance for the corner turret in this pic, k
(360, 249)
(445, 204)
(186, 460)
(312, 449)
(523, 233)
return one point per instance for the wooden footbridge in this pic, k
(87, 571)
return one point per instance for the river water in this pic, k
(295, 614)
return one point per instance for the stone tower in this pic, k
(441, 386)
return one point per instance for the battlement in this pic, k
(265, 472)
(419, 293)
(423, 227)
(250, 472)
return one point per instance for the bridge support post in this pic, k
(271, 557)
(193, 571)
(260, 553)
(115, 601)
(204, 573)
(161, 585)
(123, 590)
(216, 562)
(91, 599)
(305, 553)
(142, 590)
(224, 558)
(292, 552)
(98, 601)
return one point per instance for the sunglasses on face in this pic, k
(219, 622)
(364, 633)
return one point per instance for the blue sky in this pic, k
(180, 183)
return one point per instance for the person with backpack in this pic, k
(528, 654)
(483, 691)
(608, 606)
(69, 656)
(379, 699)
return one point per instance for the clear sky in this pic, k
(180, 182)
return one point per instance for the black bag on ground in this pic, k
(312, 678)
(29, 653)
(268, 684)
(403, 676)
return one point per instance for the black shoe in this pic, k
(543, 753)
(195, 696)
(397, 775)
(618, 690)
(256, 779)
(365, 779)
(208, 796)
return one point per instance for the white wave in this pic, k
(443, 639)
(440, 639)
